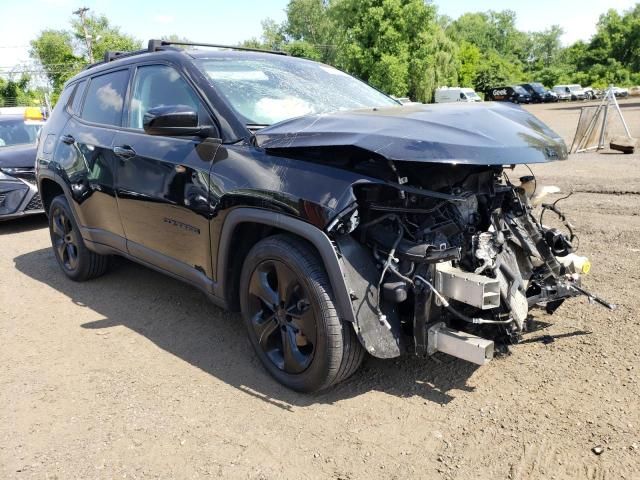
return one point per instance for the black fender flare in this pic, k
(47, 174)
(305, 230)
(348, 265)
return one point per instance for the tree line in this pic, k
(403, 47)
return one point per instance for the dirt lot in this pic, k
(136, 375)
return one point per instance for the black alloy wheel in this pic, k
(282, 316)
(75, 259)
(63, 239)
(292, 321)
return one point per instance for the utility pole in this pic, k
(81, 12)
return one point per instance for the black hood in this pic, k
(489, 133)
(18, 156)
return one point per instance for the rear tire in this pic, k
(75, 259)
(288, 307)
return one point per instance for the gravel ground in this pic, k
(135, 375)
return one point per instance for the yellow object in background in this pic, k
(33, 113)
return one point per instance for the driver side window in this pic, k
(158, 86)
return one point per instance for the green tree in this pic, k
(492, 50)
(63, 53)
(396, 45)
(435, 65)
(104, 37)
(17, 92)
(53, 49)
(273, 37)
(491, 31)
(495, 71)
(310, 21)
(545, 47)
(618, 38)
(470, 60)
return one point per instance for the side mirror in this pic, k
(174, 120)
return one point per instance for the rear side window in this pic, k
(105, 98)
(76, 103)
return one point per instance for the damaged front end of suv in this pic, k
(440, 249)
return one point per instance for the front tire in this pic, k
(292, 322)
(75, 259)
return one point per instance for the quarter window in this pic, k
(105, 97)
(77, 97)
(158, 86)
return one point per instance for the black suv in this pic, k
(336, 219)
(539, 94)
(510, 93)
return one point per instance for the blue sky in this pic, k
(225, 21)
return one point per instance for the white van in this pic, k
(456, 94)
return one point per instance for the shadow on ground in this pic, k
(23, 224)
(180, 320)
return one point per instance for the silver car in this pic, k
(18, 191)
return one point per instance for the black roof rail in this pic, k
(110, 56)
(155, 45)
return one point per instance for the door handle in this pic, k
(124, 151)
(68, 139)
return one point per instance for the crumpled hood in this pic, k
(488, 133)
(18, 156)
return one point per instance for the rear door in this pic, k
(86, 156)
(163, 182)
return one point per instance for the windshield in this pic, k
(573, 88)
(538, 87)
(520, 90)
(264, 92)
(471, 94)
(17, 132)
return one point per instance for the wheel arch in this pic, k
(244, 227)
(49, 189)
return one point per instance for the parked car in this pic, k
(338, 221)
(539, 94)
(575, 91)
(456, 94)
(563, 92)
(512, 93)
(18, 134)
(620, 92)
(634, 91)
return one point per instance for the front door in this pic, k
(163, 182)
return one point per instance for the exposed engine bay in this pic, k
(460, 258)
